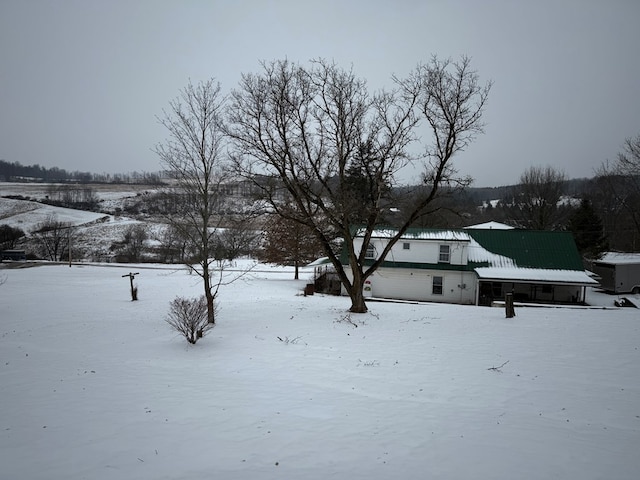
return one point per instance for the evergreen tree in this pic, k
(586, 226)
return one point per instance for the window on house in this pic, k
(445, 254)
(406, 246)
(437, 286)
(371, 252)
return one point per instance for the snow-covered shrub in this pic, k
(188, 317)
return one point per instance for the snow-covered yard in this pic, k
(95, 386)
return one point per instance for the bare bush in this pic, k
(189, 317)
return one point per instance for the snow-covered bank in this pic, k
(96, 386)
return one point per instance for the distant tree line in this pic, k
(602, 212)
(16, 172)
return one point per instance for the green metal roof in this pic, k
(532, 248)
(527, 248)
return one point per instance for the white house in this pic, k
(477, 266)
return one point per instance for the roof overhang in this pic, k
(535, 275)
(319, 261)
(418, 234)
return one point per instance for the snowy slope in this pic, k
(92, 237)
(26, 215)
(96, 386)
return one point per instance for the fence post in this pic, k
(134, 289)
(508, 305)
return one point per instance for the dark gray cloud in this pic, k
(82, 81)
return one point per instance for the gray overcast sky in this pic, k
(81, 82)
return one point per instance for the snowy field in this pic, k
(95, 386)
(103, 191)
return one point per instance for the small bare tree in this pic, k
(289, 243)
(171, 245)
(240, 236)
(53, 235)
(132, 243)
(190, 317)
(193, 156)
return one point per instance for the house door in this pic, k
(486, 294)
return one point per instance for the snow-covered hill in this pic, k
(94, 232)
(27, 215)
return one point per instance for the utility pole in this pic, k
(69, 244)
(134, 290)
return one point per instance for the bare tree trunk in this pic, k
(358, 304)
(356, 293)
(206, 275)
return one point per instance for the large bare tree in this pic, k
(619, 183)
(536, 199)
(314, 130)
(194, 157)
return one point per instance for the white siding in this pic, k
(420, 251)
(417, 284)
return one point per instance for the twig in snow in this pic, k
(347, 319)
(369, 363)
(498, 369)
(287, 340)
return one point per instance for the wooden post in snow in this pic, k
(134, 290)
(508, 305)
